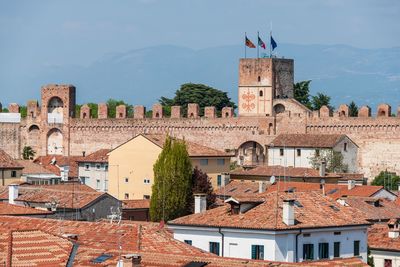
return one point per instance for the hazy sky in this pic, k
(55, 33)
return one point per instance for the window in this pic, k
(281, 152)
(221, 162)
(146, 181)
(98, 184)
(345, 146)
(87, 167)
(126, 180)
(105, 185)
(259, 80)
(146, 196)
(106, 167)
(257, 252)
(308, 251)
(323, 250)
(189, 242)
(336, 249)
(84, 180)
(356, 248)
(317, 152)
(219, 180)
(126, 196)
(261, 93)
(306, 235)
(98, 166)
(298, 152)
(13, 173)
(203, 162)
(214, 248)
(337, 233)
(387, 263)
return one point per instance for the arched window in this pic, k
(261, 93)
(259, 79)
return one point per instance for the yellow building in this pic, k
(10, 170)
(131, 165)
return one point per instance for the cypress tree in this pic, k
(172, 182)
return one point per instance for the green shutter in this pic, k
(261, 252)
(253, 252)
(219, 180)
(217, 245)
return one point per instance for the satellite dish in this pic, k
(272, 179)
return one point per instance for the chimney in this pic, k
(288, 212)
(200, 202)
(261, 187)
(394, 231)
(322, 168)
(351, 184)
(64, 171)
(131, 260)
(12, 193)
(225, 178)
(83, 153)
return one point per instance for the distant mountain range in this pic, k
(142, 76)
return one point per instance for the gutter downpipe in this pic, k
(222, 235)
(297, 244)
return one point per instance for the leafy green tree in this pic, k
(201, 183)
(112, 104)
(353, 109)
(23, 110)
(332, 158)
(77, 110)
(5, 110)
(28, 153)
(387, 179)
(320, 100)
(302, 92)
(198, 93)
(93, 110)
(172, 182)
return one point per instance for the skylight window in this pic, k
(196, 264)
(298, 204)
(247, 190)
(101, 258)
(334, 208)
(233, 189)
(332, 191)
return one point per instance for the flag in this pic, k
(261, 43)
(273, 43)
(249, 43)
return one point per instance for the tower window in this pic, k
(259, 79)
(261, 93)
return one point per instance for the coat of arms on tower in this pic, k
(248, 97)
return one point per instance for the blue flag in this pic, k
(273, 43)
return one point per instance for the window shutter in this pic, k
(217, 245)
(261, 252)
(253, 252)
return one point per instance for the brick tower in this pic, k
(261, 81)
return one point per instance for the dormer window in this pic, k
(235, 209)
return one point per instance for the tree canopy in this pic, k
(320, 100)
(302, 94)
(353, 109)
(333, 159)
(201, 183)
(112, 104)
(387, 179)
(197, 93)
(171, 190)
(28, 153)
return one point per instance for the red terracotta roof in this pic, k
(307, 140)
(268, 171)
(374, 208)
(378, 238)
(154, 244)
(99, 156)
(10, 209)
(7, 162)
(70, 161)
(238, 188)
(31, 167)
(315, 211)
(34, 248)
(194, 149)
(66, 195)
(136, 204)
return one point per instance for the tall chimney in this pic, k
(288, 212)
(351, 184)
(12, 193)
(322, 168)
(200, 202)
(261, 187)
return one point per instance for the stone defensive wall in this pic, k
(378, 137)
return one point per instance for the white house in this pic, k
(296, 150)
(93, 170)
(384, 243)
(289, 227)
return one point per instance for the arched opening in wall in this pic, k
(226, 114)
(157, 115)
(33, 139)
(270, 128)
(342, 113)
(55, 109)
(261, 93)
(191, 115)
(55, 142)
(279, 108)
(120, 115)
(381, 113)
(31, 113)
(84, 115)
(259, 79)
(250, 153)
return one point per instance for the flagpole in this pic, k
(258, 38)
(270, 39)
(245, 36)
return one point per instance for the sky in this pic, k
(56, 33)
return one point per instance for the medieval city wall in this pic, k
(10, 140)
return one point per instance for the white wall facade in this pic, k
(96, 176)
(278, 246)
(349, 152)
(380, 256)
(383, 193)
